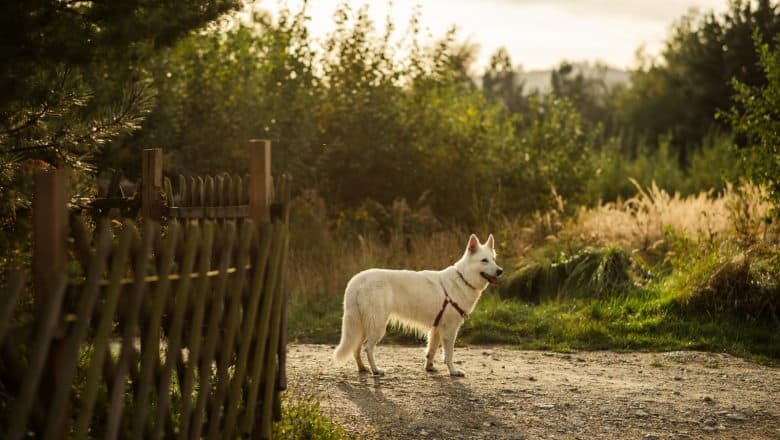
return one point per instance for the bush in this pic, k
(588, 273)
(741, 282)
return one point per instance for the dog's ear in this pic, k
(489, 243)
(473, 243)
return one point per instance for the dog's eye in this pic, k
(484, 260)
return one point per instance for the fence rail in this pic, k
(149, 331)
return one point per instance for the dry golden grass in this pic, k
(324, 255)
(641, 221)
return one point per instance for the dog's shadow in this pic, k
(404, 403)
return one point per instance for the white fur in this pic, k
(376, 297)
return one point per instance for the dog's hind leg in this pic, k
(434, 341)
(373, 338)
(360, 365)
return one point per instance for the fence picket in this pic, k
(210, 198)
(181, 298)
(185, 196)
(151, 343)
(247, 332)
(219, 190)
(143, 250)
(101, 341)
(89, 296)
(196, 331)
(212, 331)
(168, 188)
(261, 332)
(229, 191)
(238, 190)
(46, 325)
(230, 327)
(272, 358)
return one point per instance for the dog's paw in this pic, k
(457, 373)
(363, 370)
(379, 372)
(430, 368)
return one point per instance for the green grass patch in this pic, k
(302, 418)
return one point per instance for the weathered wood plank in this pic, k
(50, 230)
(272, 359)
(143, 250)
(151, 343)
(181, 298)
(229, 192)
(219, 190)
(229, 327)
(262, 330)
(49, 317)
(238, 184)
(87, 299)
(196, 331)
(168, 188)
(151, 181)
(212, 331)
(211, 200)
(185, 194)
(100, 343)
(211, 212)
(248, 326)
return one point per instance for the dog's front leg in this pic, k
(434, 341)
(448, 339)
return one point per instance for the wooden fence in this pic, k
(152, 331)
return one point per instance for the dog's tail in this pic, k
(351, 335)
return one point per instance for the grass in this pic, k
(302, 418)
(657, 272)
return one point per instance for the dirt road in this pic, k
(512, 394)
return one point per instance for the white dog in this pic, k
(436, 302)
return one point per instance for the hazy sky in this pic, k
(538, 34)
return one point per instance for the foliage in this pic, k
(756, 115)
(303, 418)
(729, 279)
(589, 272)
(680, 94)
(74, 80)
(360, 113)
(643, 221)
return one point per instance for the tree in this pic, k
(680, 94)
(755, 113)
(74, 78)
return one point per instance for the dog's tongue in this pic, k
(494, 281)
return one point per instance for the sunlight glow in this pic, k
(538, 34)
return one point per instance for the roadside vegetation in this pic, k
(658, 271)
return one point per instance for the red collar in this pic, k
(464, 280)
(448, 300)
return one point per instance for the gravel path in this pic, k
(513, 394)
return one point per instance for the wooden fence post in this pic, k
(50, 236)
(50, 231)
(260, 183)
(151, 179)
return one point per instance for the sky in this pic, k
(538, 34)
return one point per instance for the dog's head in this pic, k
(481, 259)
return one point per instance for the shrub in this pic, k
(742, 282)
(590, 272)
